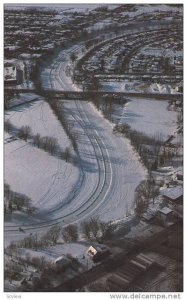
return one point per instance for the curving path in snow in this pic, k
(123, 170)
(111, 169)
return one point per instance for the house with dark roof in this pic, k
(165, 215)
(173, 195)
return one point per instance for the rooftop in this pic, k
(173, 193)
(165, 210)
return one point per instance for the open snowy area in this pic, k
(149, 116)
(39, 116)
(125, 162)
(51, 254)
(93, 146)
(32, 171)
(38, 175)
(138, 87)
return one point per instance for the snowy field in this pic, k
(38, 175)
(138, 87)
(39, 116)
(148, 9)
(76, 250)
(150, 117)
(46, 179)
(23, 98)
(61, 7)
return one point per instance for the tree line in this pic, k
(47, 143)
(153, 151)
(92, 229)
(67, 125)
(17, 201)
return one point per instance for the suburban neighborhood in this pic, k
(93, 148)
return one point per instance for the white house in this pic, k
(10, 73)
(14, 71)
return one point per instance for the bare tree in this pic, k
(53, 233)
(94, 226)
(145, 191)
(7, 191)
(91, 227)
(37, 140)
(156, 148)
(106, 229)
(154, 192)
(70, 233)
(53, 144)
(24, 133)
(95, 83)
(73, 57)
(86, 230)
(67, 154)
(74, 143)
(141, 206)
(8, 126)
(49, 144)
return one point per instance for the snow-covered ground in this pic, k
(76, 250)
(148, 9)
(143, 231)
(38, 175)
(23, 98)
(124, 167)
(46, 179)
(110, 167)
(40, 118)
(149, 116)
(65, 254)
(138, 87)
(61, 7)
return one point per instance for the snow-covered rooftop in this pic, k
(165, 210)
(173, 193)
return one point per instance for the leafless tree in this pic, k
(94, 226)
(95, 83)
(37, 140)
(86, 230)
(8, 126)
(145, 191)
(141, 206)
(49, 144)
(73, 57)
(91, 227)
(156, 147)
(53, 233)
(24, 133)
(70, 233)
(67, 154)
(106, 229)
(7, 190)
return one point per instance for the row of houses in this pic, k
(172, 207)
(121, 280)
